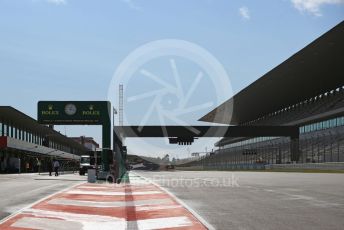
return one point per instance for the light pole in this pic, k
(114, 112)
(19, 162)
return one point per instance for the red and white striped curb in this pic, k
(138, 205)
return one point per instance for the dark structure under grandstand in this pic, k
(25, 145)
(306, 90)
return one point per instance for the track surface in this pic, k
(139, 205)
(259, 200)
(19, 190)
(238, 200)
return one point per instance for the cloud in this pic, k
(132, 5)
(313, 6)
(244, 13)
(57, 2)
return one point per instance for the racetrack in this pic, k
(259, 200)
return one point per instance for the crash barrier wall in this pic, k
(122, 170)
(224, 166)
(320, 166)
(300, 166)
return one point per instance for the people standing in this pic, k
(2, 164)
(39, 163)
(56, 167)
(27, 167)
(50, 167)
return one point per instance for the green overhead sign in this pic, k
(74, 112)
(79, 113)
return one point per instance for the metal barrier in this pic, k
(243, 166)
(225, 166)
(320, 166)
(122, 170)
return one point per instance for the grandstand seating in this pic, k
(308, 94)
(315, 147)
(296, 113)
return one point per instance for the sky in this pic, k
(177, 60)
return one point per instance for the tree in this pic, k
(166, 159)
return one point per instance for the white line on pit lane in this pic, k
(37, 202)
(110, 204)
(101, 193)
(84, 221)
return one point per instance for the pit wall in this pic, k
(304, 166)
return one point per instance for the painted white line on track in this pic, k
(193, 212)
(14, 209)
(43, 218)
(44, 223)
(110, 204)
(71, 216)
(101, 193)
(160, 207)
(38, 189)
(114, 187)
(36, 202)
(100, 187)
(84, 222)
(160, 223)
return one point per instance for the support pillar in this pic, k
(120, 164)
(294, 149)
(106, 132)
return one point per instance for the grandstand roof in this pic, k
(315, 69)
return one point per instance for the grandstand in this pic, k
(306, 90)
